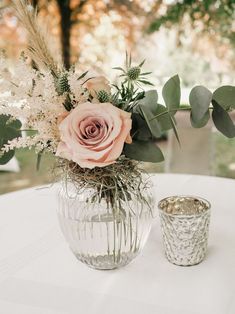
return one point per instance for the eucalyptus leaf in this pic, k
(173, 123)
(9, 129)
(143, 151)
(222, 120)
(171, 94)
(150, 100)
(140, 129)
(225, 96)
(200, 123)
(152, 123)
(7, 121)
(6, 157)
(165, 119)
(200, 98)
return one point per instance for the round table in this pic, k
(40, 275)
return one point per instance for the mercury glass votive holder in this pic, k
(185, 228)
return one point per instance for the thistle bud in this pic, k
(133, 73)
(62, 84)
(103, 96)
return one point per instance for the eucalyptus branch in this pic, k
(173, 110)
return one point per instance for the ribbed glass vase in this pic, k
(99, 236)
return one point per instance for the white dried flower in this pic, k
(35, 102)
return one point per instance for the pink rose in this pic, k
(96, 84)
(93, 135)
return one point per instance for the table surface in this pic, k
(40, 275)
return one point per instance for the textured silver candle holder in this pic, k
(185, 227)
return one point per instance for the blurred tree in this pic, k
(77, 25)
(217, 18)
(72, 19)
(67, 12)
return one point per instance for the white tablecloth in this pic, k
(39, 274)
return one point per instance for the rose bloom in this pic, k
(93, 135)
(96, 84)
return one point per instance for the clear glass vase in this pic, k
(99, 236)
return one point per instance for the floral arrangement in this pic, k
(98, 131)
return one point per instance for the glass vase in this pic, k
(98, 235)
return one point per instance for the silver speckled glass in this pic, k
(185, 227)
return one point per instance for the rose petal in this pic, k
(93, 135)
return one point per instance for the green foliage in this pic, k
(133, 73)
(216, 16)
(62, 87)
(127, 97)
(151, 122)
(200, 99)
(171, 94)
(62, 83)
(150, 100)
(225, 96)
(148, 108)
(173, 123)
(222, 120)
(6, 157)
(143, 151)
(202, 122)
(103, 96)
(164, 118)
(140, 130)
(9, 129)
(223, 100)
(156, 116)
(82, 75)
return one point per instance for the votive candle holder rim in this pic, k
(206, 210)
